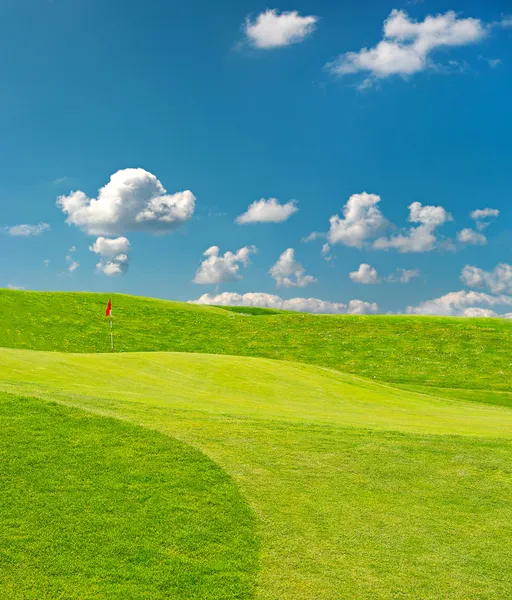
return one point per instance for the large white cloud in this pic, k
(217, 268)
(273, 30)
(361, 221)
(113, 255)
(26, 230)
(460, 304)
(268, 211)
(483, 216)
(289, 273)
(407, 45)
(420, 238)
(365, 274)
(133, 200)
(498, 281)
(312, 305)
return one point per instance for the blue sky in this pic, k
(236, 105)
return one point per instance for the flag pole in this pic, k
(108, 313)
(111, 333)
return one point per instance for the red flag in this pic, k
(108, 312)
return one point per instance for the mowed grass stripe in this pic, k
(242, 387)
(96, 508)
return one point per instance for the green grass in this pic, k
(434, 351)
(98, 508)
(359, 489)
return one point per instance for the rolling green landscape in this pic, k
(239, 453)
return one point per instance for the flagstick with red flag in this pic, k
(108, 313)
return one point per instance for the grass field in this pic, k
(344, 486)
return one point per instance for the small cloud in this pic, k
(217, 268)
(494, 62)
(26, 230)
(46, 262)
(267, 211)
(404, 275)
(12, 286)
(113, 255)
(362, 220)
(366, 275)
(314, 235)
(420, 238)
(326, 252)
(287, 272)
(60, 180)
(484, 216)
(469, 236)
(498, 281)
(273, 30)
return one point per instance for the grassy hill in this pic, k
(358, 489)
(461, 353)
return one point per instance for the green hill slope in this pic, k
(413, 351)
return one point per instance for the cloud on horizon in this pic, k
(312, 305)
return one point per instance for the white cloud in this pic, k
(46, 262)
(273, 30)
(479, 312)
(26, 230)
(361, 220)
(403, 275)
(312, 305)
(314, 235)
(73, 265)
(134, 199)
(470, 236)
(506, 21)
(365, 274)
(289, 273)
(268, 211)
(499, 280)
(368, 275)
(407, 45)
(420, 238)
(12, 286)
(459, 304)
(483, 216)
(218, 269)
(326, 252)
(113, 255)
(494, 62)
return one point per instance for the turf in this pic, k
(344, 512)
(98, 508)
(360, 489)
(442, 352)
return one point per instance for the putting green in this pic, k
(360, 490)
(242, 386)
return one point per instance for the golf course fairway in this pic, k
(306, 482)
